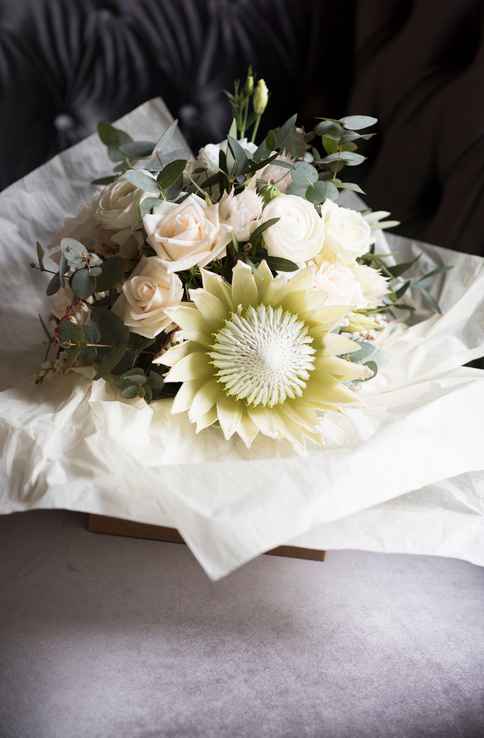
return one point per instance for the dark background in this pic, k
(418, 66)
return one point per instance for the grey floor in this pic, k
(105, 637)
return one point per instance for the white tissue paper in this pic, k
(402, 473)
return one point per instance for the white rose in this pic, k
(373, 284)
(339, 285)
(146, 295)
(347, 234)
(273, 174)
(208, 156)
(187, 234)
(118, 206)
(299, 233)
(242, 212)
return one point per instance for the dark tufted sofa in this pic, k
(417, 65)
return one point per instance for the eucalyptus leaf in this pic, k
(357, 122)
(404, 266)
(82, 284)
(40, 254)
(351, 186)
(129, 393)
(112, 274)
(303, 176)
(241, 160)
(330, 144)
(74, 252)
(170, 174)
(137, 149)
(111, 136)
(147, 204)
(54, 285)
(346, 157)
(141, 179)
(320, 191)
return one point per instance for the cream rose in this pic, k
(299, 233)
(339, 285)
(118, 206)
(146, 295)
(242, 212)
(187, 234)
(373, 284)
(347, 234)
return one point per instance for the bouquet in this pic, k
(233, 282)
(212, 321)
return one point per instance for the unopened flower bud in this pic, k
(261, 97)
(269, 192)
(249, 83)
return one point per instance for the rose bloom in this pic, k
(299, 233)
(373, 284)
(347, 234)
(118, 205)
(242, 212)
(146, 295)
(338, 283)
(187, 234)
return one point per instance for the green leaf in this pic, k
(129, 393)
(241, 160)
(329, 127)
(75, 253)
(404, 266)
(69, 332)
(137, 149)
(351, 186)
(346, 157)
(330, 144)
(82, 284)
(54, 285)
(147, 204)
(142, 180)
(263, 227)
(110, 359)
(289, 139)
(357, 122)
(320, 191)
(171, 173)
(112, 329)
(303, 176)
(427, 279)
(112, 137)
(278, 264)
(233, 129)
(40, 254)
(402, 290)
(108, 179)
(112, 274)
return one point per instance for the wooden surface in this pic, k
(130, 529)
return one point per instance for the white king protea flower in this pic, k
(259, 356)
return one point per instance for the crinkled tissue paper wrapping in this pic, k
(403, 473)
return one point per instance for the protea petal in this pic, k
(193, 366)
(218, 287)
(204, 400)
(205, 421)
(185, 395)
(244, 288)
(210, 307)
(229, 413)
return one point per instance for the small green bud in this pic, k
(249, 83)
(269, 192)
(261, 97)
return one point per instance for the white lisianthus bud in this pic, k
(299, 233)
(242, 212)
(261, 97)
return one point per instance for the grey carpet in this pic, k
(105, 637)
